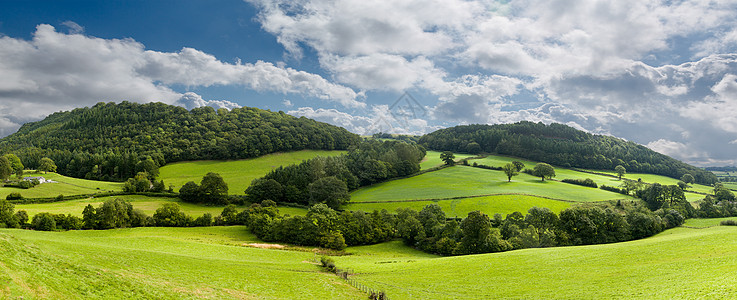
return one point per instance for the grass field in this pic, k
(238, 174)
(144, 203)
(680, 263)
(63, 185)
(463, 181)
(502, 204)
(158, 263)
(432, 159)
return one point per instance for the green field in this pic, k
(432, 159)
(502, 204)
(679, 263)
(463, 181)
(147, 204)
(63, 185)
(238, 174)
(158, 263)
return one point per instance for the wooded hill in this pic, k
(560, 145)
(114, 141)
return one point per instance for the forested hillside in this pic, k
(560, 145)
(114, 141)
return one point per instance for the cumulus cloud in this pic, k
(56, 71)
(191, 100)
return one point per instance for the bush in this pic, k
(327, 263)
(614, 189)
(728, 223)
(44, 222)
(583, 182)
(14, 196)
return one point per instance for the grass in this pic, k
(503, 204)
(703, 223)
(238, 174)
(144, 203)
(432, 159)
(63, 185)
(158, 263)
(680, 263)
(463, 181)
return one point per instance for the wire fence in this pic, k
(346, 274)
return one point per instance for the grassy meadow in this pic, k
(158, 263)
(680, 263)
(490, 205)
(463, 181)
(238, 174)
(62, 185)
(147, 204)
(432, 159)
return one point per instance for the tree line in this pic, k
(114, 142)
(560, 145)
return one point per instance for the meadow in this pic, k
(147, 204)
(432, 159)
(464, 181)
(158, 263)
(62, 185)
(490, 205)
(680, 263)
(238, 174)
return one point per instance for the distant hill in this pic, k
(114, 141)
(560, 145)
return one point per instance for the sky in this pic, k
(659, 73)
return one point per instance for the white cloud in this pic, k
(191, 100)
(287, 103)
(675, 149)
(74, 28)
(56, 71)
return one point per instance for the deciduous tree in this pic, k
(510, 170)
(543, 171)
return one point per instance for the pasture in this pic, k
(238, 174)
(464, 181)
(147, 204)
(158, 263)
(502, 204)
(680, 263)
(62, 185)
(432, 159)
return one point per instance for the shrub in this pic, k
(614, 189)
(728, 223)
(44, 222)
(582, 182)
(14, 196)
(327, 263)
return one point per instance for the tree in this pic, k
(190, 192)
(7, 218)
(47, 165)
(264, 189)
(518, 165)
(5, 168)
(15, 163)
(448, 158)
(329, 190)
(510, 170)
(473, 148)
(213, 188)
(620, 171)
(44, 222)
(543, 171)
(169, 215)
(687, 178)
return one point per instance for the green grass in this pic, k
(238, 174)
(144, 203)
(502, 204)
(463, 181)
(702, 223)
(63, 185)
(680, 263)
(731, 185)
(158, 263)
(432, 159)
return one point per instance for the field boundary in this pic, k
(485, 195)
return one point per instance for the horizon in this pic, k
(660, 75)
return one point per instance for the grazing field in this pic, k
(702, 223)
(62, 185)
(238, 174)
(147, 204)
(731, 185)
(158, 263)
(490, 205)
(432, 159)
(680, 263)
(463, 181)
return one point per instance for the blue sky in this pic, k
(659, 73)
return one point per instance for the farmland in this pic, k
(62, 185)
(238, 174)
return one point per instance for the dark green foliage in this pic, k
(543, 171)
(370, 162)
(620, 170)
(7, 217)
(138, 184)
(115, 141)
(204, 220)
(562, 145)
(728, 223)
(329, 190)
(190, 192)
(583, 182)
(6, 169)
(327, 263)
(113, 213)
(15, 164)
(518, 165)
(46, 165)
(22, 217)
(44, 222)
(213, 189)
(169, 215)
(229, 215)
(448, 158)
(14, 196)
(510, 170)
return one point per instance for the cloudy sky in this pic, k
(659, 73)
